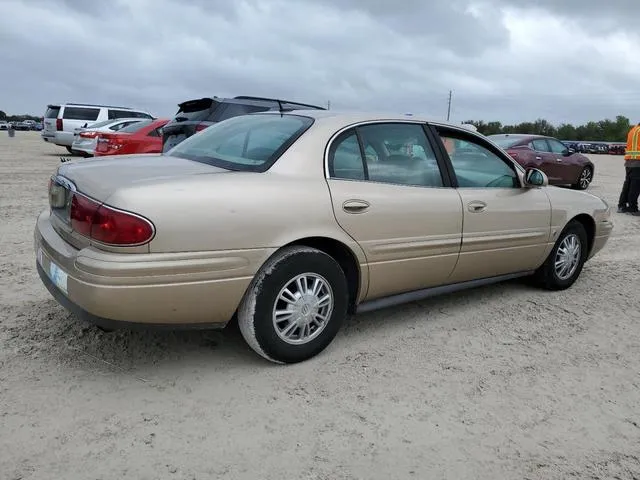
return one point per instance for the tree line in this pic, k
(602, 131)
(18, 118)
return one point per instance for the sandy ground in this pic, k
(501, 382)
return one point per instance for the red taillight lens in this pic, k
(107, 225)
(88, 134)
(58, 124)
(201, 126)
(82, 211)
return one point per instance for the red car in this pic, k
(140, 137)
(562, 165)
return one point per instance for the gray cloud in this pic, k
(503, 59)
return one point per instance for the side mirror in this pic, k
(535, 178)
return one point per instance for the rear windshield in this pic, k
(134, 127)
(115, 114)
(52, 112)
(230, 110)
(196, 110)
(247, 143)
(101, 124)
(505, 142)
(80, 113)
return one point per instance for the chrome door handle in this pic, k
(477, 207)
(538, 158)
(558, 159)
(355, 206)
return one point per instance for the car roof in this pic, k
(347, 117)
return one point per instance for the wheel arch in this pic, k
(589, 225)
(345, 257)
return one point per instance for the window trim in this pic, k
(437, 128)
(338, 135)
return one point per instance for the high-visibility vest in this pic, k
(633, 144)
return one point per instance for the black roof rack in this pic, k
(95, 105)
(248, 97)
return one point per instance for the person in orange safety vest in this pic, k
(628, 202)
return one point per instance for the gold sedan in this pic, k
(291, 221)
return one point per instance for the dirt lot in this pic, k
(501, 382)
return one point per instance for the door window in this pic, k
(397, 153)
(477, 165)
(557, 147)
(540, 145)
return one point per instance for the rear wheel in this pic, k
(585, 178)
(563, 265)
(294, 306)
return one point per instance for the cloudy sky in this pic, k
(507, 60)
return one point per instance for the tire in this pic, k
(547, 276)
(69, 150)
(585, 179)
(257, 309)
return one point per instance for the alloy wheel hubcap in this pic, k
(585, 178)
(568, 257)
(302, 308)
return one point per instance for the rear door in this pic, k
(567, 166)
(506, 226)
(389, 195)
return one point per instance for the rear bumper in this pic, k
(176, 290)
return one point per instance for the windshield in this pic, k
(505, 142)
(100, 124)
(246, 143)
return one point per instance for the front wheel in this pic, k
(294, 306)
(563, 265)
(585, 178)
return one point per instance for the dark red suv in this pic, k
(563, 165)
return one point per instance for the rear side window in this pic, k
(230, 110)
(81, 113)
(540, 145)
(52, 112)
(134, 127)
(245, 143)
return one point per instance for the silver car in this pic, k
(85, 139)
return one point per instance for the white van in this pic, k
(61, 121)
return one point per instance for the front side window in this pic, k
(557, 147)
(244, 143)
(540, 145)
(397, 153)
(476, 165)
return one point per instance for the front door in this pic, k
(388, 194)
(506, 227)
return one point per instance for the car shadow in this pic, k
(47, 331)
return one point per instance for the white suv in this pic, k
(61, 121)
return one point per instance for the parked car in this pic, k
(196, 115)
(85, 139)
(562, 165)
(61, 120)
(617, 149)
(141, 137)
(293, 221)
(4, 125)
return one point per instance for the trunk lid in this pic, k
(49, 122)
(99, 178)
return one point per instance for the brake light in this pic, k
(88, 134)
(58, 124)
(201, 126)
(108, 225)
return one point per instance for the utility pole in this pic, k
(449, 107)
(328, 104)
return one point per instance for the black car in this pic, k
(196, 115)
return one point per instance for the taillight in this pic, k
(88, 134)
(201, 126)
(58, 124)
(108, 225)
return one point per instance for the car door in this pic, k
(567, 166)
(506, 226)
(390, 196)
(545, 160)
